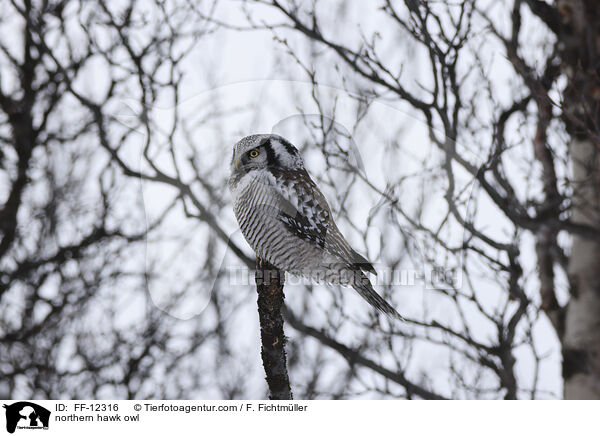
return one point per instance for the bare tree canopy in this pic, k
(456, 142)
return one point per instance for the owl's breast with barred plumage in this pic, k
(266, 209)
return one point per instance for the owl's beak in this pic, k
(237, 163)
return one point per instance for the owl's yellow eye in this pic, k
(253, 153)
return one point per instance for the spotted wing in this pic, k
(306, 214)
(303, 209)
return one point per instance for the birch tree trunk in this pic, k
(580, 40)
(581, 341)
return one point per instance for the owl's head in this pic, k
(262, 152)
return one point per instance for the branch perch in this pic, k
(269, 285)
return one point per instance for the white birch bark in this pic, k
(581, 341)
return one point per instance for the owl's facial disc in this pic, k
(262, 152)
(249, 157)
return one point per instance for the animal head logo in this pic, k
(26, 415)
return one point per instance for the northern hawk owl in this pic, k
(287, 221)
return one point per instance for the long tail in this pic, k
(365, 289)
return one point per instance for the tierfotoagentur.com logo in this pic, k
(25, 415)
(431, 278)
